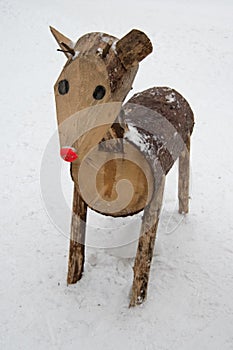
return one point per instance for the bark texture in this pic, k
(77, 239)
(133, 48)
(183, 186)
(145, 249)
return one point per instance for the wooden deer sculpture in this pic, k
(119, 155)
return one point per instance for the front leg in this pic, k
(146, 243)
(77, 239)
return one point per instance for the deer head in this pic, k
(99, 72)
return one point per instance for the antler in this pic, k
(68, 49)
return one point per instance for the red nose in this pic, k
(68, 154)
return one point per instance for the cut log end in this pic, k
(133, 48)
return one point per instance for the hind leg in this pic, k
(184, 173)
(146, 246)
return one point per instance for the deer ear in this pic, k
(133, 48)
(65, 43)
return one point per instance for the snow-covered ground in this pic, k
(190, 304)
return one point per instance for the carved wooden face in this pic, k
(82, 83)
(96, 78)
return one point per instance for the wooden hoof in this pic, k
(76, 262)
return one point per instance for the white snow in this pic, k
(106, 39)
(190, 304)
(113, 47)
(170, 98)
(139, 140)
(76, 54)
(100, 51)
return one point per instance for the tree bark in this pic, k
(133, 48)
(146, 246)
(184, 173)
(77, 239)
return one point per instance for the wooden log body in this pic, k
(156, 125)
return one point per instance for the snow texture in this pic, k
(100, 51)
(76, 54)
(190, 304)
(113, 47)
(137, 139)
(171, 98)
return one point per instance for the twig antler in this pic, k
(68, 49)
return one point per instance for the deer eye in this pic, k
(63, 87)
(99, 92)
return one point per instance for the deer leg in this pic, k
(183, 188)
(77, 239)
(146, 243)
